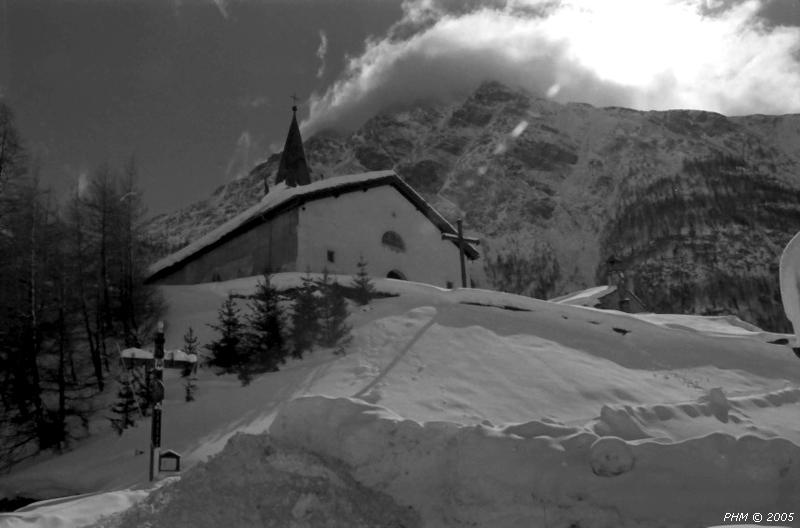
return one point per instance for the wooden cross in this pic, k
(156, 360)
(461, 239)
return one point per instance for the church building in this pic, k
(330, 224)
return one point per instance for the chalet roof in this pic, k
(293, 168)
(282, 198)
(588, 297)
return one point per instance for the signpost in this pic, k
(461, 239)
(158, 361)
(158, 398)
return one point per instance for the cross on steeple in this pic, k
(293, 168)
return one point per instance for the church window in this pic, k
(396, 274)
(331, 256)
(393, 241)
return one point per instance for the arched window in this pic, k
(393, 241)
(396, 274)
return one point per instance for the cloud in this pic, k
(222, 6)
(83, 183)
(322, 50)
(243, 159)
(255, 101)
(717, 55)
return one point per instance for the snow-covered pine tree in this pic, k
(334, 330)
(362, 284)
(189, 371)
(305, 314)
(226, 352)
(264, 337)
(125, 409)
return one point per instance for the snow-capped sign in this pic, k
(790, 286)
(172, 358)
(169, 461)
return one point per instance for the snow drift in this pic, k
(466, 408)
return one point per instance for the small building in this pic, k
(330, 224)
(606, 298)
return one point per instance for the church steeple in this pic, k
(293, 167)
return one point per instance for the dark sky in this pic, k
(176, 84)
(189, 87)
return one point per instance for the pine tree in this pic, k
(189, 388)
(189, 348)
(305, 313)
(189, 371)
(264, 338)
(362, 283)
(334, 330)
(125, 409)
(226, 353)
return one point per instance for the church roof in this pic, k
(293, 168)
(283, 198)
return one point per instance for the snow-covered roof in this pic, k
(169, 355)
(282, 198)
(587, 297)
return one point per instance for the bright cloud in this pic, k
(648, 54)
(322, 50)
(222, 6)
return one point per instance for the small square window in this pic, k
(331, 256)
(449, 285)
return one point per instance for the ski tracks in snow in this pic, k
(398, 356)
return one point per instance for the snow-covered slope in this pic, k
(467, 408)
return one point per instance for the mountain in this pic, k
(696, 205)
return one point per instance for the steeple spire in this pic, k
(293, 167)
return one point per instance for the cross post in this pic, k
(158, 398)
(461, 239)
(155, 362)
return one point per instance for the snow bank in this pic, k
(456, 475)
(72, 511)
(257, 482)
(558, 377)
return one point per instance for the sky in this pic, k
(199, 91)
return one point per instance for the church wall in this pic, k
(353, 224)
(271, 245)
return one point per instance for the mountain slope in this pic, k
(695, 204)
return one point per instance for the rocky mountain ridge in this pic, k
(696, 205)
